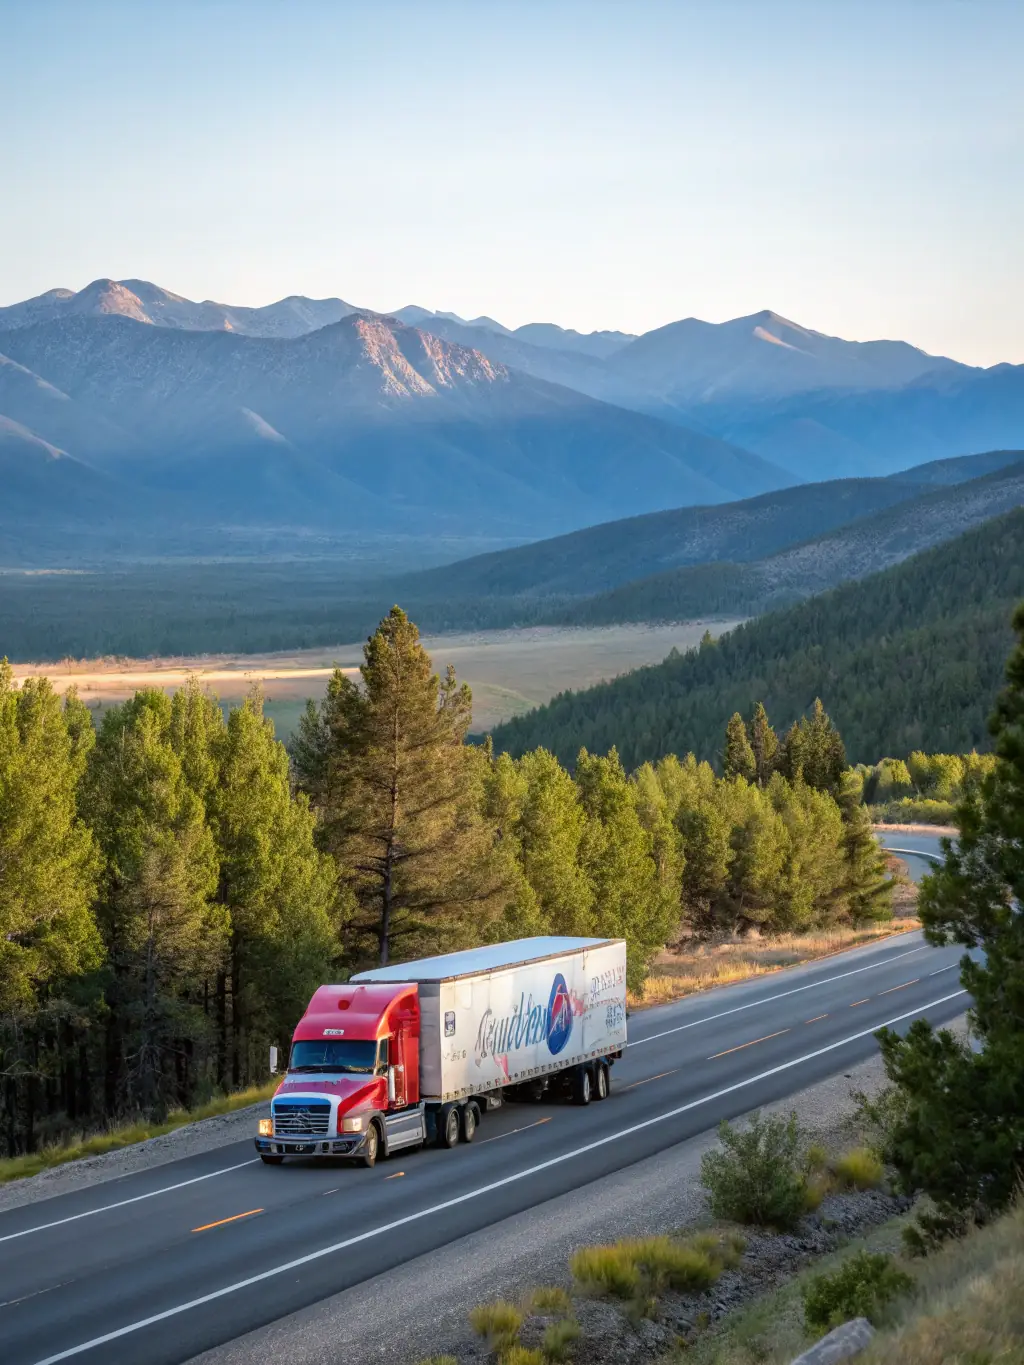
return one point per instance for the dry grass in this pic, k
(630, 1269)
(549, 1301)
(18, 1167)
(701, 968)
(498, 1323)
(969, 1305)
(510, 671)
(858, 1169)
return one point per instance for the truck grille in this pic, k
(309, 1116)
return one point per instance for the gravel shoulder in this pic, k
(420, 1309)
(194, 1138)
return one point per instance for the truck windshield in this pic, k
(330, 1054)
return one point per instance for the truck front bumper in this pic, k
(346, 1145)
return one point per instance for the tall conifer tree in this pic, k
(401, 800)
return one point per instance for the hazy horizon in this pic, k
(857, 168)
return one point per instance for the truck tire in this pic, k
(449, 1128)
(470, 1120)
(581, 1086)
(601, 1082)
(270, 1160)
(368, 1158)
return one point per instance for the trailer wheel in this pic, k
(601, 1089)
(470, 1119)
(372, 1147)
(448, 1129)
(581, 1086)
(271, 1160)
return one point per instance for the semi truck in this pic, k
(415, 1054)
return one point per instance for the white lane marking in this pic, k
(105, 1208)
(781, 995)
(483, 1189)
(952, 967)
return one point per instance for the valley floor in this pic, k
(510, 671)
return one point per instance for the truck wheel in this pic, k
(448, 1131)
(470, 1119)
(270, 1160)
(372, 1147)
(581, 1086)
(601, 1089)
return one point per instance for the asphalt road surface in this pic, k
(920, 851)
(161, 1265)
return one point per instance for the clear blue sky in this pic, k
(857, 166)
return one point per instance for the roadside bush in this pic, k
(521, 1355)
(606, 1270)
(498, 1323)
(881, 1116)
(859, 1169)
(632, 1269)
(860, 1288)
(550, 1301)
(558, 1339)
(755, 1176)
(815, 1158)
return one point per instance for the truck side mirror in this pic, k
(391, 1085)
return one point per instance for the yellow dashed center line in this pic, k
(900, 988)
(816, 1018)
(221, 1221)
(860, 1002)
(658, 1077)
(750, 1044)
(397, 1176)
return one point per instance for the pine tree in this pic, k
(630, 901)
(867, 887)
(961, 1139)
(765, 745)
(739, 758)
(823, 751)
(277, 888)
(163, 934)
(48, 859)
(400, 798)
(552, 830)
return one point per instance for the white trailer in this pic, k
(515, 1014)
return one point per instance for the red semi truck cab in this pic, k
(405, 1055)
(354, 1059)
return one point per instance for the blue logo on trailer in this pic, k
(559, 1016)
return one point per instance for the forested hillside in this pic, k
(864, 546)
(907, 659)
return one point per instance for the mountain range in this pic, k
(129, 403)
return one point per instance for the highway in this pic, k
(161, 1265)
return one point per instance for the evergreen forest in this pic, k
(175, 885)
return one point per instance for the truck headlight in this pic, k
(353, 1123)
(266, 1127)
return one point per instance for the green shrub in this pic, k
(816, 1187)
(859, 1169)
(550, 1300)
(755, 1176)
(882, 1117)
(558, 1338)
(815, 1158)
(860, 1288)
(498, 1323)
